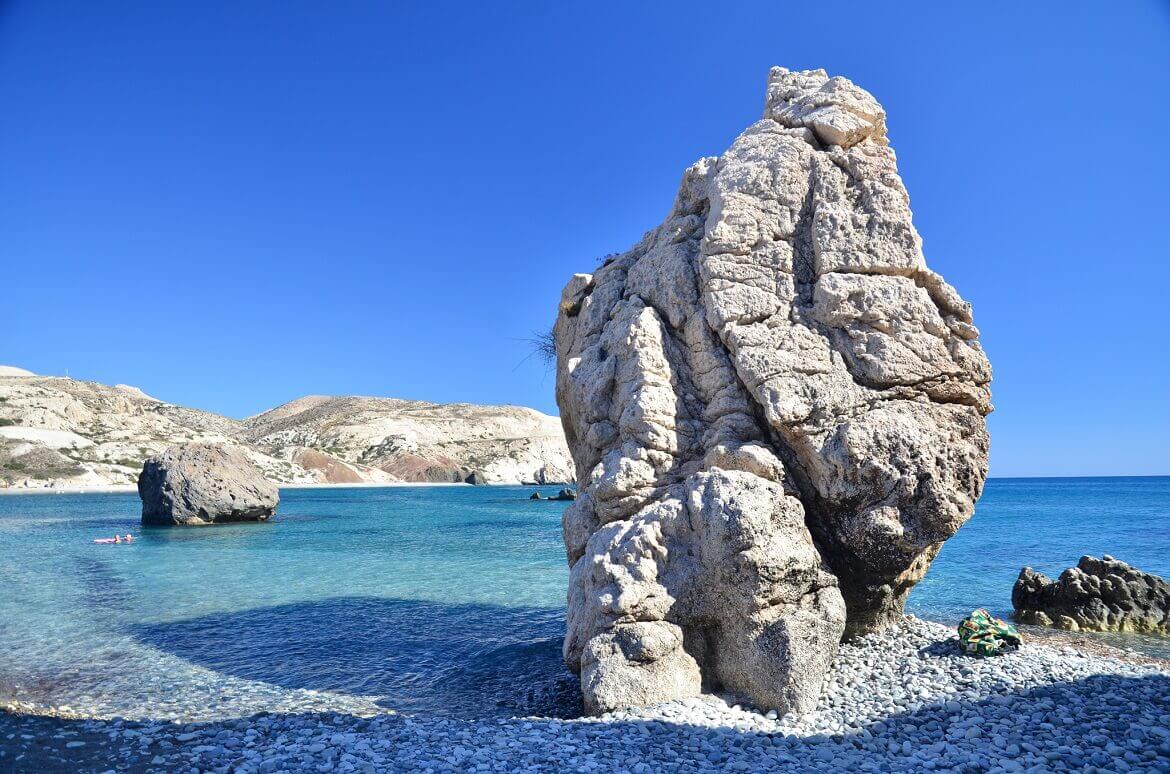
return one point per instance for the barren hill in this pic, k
(56, 431)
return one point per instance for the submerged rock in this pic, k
(776, 411)
(535, 496)
(200, 483)
(565, 494)
(1103, 595)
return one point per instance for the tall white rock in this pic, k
(776, 412)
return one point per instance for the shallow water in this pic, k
(1048, 524)
(444, 599)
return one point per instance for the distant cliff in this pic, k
(60, 432)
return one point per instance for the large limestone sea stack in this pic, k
(776, 412)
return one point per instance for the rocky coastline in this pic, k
(1104, 595)
(775, 416)
(904, 699)
(64, 434)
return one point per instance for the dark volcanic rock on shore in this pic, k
(1104, 595)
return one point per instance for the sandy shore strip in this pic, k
(133, 489)
(52, 490)
(903, 700)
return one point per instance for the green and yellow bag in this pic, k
(982, 635)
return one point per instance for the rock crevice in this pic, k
(772, 369)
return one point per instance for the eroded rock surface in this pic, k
(1103, 595)
(776, 413)
(199, 483)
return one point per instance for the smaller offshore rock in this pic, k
(1103, 595)
(198, 483)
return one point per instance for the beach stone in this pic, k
(1103, 595)
(776, 412)
(200, 483)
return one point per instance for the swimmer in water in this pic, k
(116, 539)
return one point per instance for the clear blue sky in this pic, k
(234, 204)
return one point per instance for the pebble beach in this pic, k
(903, 700)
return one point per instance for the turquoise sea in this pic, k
(437, 599)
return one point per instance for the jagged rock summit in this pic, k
(776, 412)
(204, 483)
(1103, 595)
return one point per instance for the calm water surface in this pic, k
(444, 599)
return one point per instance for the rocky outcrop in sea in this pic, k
(1102, 595)
(198, 484)
(776, 412)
